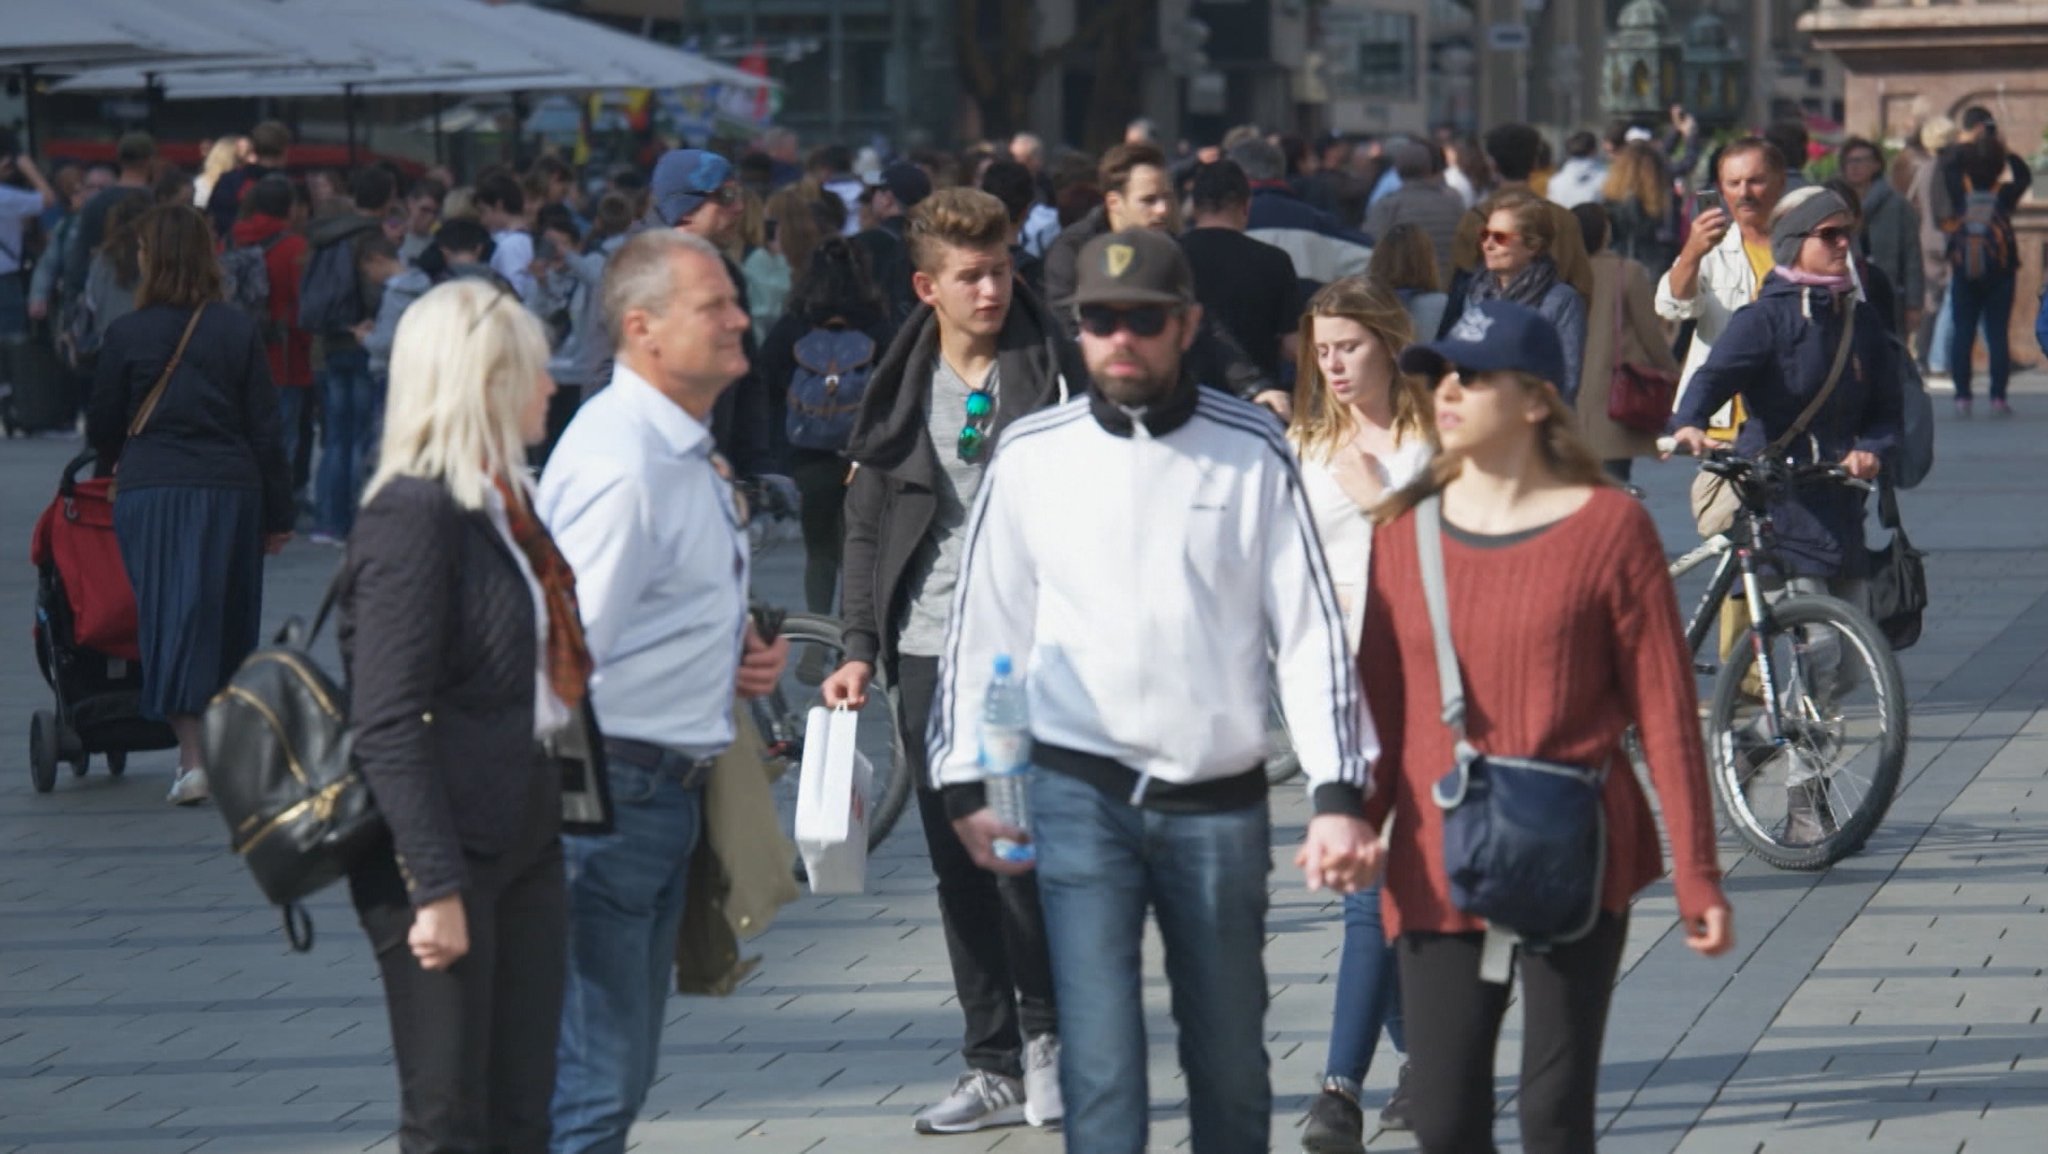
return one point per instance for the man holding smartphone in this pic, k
(1728, 255)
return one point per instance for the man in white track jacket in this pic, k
(1147, 557)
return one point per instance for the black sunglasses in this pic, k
(1143, 321)
(1831, 235)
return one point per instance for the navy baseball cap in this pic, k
(1493, 336)
(683, 179)
(905, 181)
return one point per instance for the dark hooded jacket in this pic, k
(893, 499)
(1776, 354)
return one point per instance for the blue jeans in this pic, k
(349, 404)
(1987, 301)
(625, 906)
(1368, 990)
(291, 404)
(1101, 863)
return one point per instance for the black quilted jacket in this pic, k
(438, 640)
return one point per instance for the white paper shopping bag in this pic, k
(831, 803)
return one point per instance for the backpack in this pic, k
(279, 758)
(832, 367)
(330, 293)
(1915, 458)
(1980, 241)
(246, 269)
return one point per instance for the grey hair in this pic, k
(1260, 159)
(638, 276)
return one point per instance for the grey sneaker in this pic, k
(189, 788)
(1336, 1124)
(1042, 1105)
(980, 1100)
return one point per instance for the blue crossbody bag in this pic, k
(1525, 841)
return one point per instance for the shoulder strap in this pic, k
(1429, 547)
(156, 392)
(1827, 389)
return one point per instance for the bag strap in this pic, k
(295, 633)
(1429, 544)
(156, 392)
(1827, 389)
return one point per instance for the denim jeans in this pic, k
(625, 905)
(1101, 863)
(349, 405)
(1368, 990)
(290, 411)
(1985, 303)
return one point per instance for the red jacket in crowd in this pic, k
(291, 359)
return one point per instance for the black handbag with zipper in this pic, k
(1898, 577)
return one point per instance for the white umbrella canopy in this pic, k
(67, 35)
(455, 47)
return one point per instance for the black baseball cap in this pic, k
(1142, 266)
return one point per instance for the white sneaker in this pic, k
(979, 1101)
(189, 788)
(1042, 1104)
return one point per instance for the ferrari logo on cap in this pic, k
(1117, 259)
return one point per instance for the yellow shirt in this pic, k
(1761, 263)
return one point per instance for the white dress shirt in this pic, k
(661, 561)
(550, 713)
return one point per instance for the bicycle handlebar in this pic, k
(1726, 462)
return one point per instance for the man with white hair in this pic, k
(644, 511)
(1028, 150)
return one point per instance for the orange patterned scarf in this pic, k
(569, 663)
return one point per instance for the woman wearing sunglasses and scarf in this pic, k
(1780, 355)
(1516, 245)
(979, 353)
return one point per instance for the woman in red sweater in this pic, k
(1567, 631)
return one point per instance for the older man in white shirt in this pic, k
(642, 508)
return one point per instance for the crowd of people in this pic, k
(1164, 426)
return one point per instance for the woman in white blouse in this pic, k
(1362, 430)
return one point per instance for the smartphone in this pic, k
(1709, 201)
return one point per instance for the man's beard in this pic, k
(1137, 392)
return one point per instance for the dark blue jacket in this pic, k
(1775, 354)
(1322, 249)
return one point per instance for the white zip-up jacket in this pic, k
(1150, 573)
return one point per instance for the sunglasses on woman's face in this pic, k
(1831, 235)
(1503, 239)
(1143, 321)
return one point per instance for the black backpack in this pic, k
(280, 764)
(330, 292)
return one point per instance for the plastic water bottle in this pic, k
(1006, 757)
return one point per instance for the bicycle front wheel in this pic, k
(815, 652)
(1805, 790)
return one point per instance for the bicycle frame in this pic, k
(1738, 560)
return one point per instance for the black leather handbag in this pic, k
(279, 761)
(1898, 578)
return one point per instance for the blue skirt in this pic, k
(195, 557)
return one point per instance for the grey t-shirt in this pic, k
(936, 567)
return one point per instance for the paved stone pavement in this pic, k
(147, 1002)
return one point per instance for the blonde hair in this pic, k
(1322, 424)
(1563, 450)
(465, 364)
(1638, 173)
(220, 159)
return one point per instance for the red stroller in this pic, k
(85, 634)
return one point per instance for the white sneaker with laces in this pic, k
(980, 1100)
(1042, 1104)
(189, 788)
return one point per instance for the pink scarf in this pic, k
(1814, 280)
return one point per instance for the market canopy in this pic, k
(68, 35)
(390, 47)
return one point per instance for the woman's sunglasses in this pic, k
(981, 409)
(1831, 235)
(1143, 321)
(1503, 239)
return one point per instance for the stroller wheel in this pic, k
(80, 764)
(117, 762)
(42, 751)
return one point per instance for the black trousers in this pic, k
(1453, 1024)
(475, 1043)
(821, 484)
(995, 931)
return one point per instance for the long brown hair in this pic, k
(1638, 174)
(1564, 451)
(179, 267)
(797, 231)
(1405, 259)
(1322, 423)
